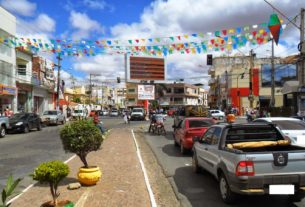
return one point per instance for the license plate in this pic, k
(281, 189)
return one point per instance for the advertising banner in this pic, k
(146, 92)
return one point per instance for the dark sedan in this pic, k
(24, 122)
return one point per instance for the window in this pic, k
(282, 73)
(131, 100)
(200, 123)
(207, 137)
(6, 73)
(131, 90)
(21, 69)
(168, 90)
(290, 125)
(216, 136)
(178, 90)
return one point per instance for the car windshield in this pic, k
(114, 111)
(200, 123)
(78, 111)
(137, 110)
(50, 113)
(19, 116)
(290, 125)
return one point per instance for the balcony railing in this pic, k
(35, 81)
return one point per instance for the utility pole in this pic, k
(251, 97)
(272, 101)
(90, 89)
(58, 80)
(302, 50)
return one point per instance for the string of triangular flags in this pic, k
(222, 40)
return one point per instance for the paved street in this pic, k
(203, 188)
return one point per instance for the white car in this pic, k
(114, 112)
(53, 117)
(291, 127)
(218, 114)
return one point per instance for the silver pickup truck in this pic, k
(4, 123)
(251, 159)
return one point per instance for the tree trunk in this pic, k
(83, 159)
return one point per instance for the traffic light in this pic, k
(118, 79)
(209, 59)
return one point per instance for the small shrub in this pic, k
(52, 173)
(81, 137)
(8, 190)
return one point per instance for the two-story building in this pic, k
(8, 91)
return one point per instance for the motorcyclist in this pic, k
(153, 120)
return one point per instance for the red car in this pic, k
(189, 128)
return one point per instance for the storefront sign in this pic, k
(24, 87)
(7, 90)
(146, 92)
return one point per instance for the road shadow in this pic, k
(173, 151)
(202, 190)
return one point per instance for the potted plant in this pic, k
(82, 137)
(52, 173)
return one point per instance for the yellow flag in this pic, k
(186, 36)
(193, 51)
(231, 31)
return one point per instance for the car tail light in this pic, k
(245, 168)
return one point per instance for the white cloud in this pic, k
(20, 7)
(83, 25)
(93, 4)
(42, 26)
(176, 17)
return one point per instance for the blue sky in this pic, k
(96, 19)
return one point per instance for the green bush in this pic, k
(81, 137)
(52, 173)
(8, 190)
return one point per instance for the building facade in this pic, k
(8, 90)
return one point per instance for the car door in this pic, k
(211, 149)
(202, 147)
(31, 121)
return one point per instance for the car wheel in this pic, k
(182, 149)
(26, 129)
(226, 194)
(195, 166)
(39, 127)
(2, 132)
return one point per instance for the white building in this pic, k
(7, 62)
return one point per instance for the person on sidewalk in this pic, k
(98, 123)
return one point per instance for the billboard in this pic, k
(145, 69)
(146, 92)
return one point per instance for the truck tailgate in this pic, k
(274, 163)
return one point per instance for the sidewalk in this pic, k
(122, 182)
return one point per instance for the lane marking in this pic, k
(30, 186)
(150, 192)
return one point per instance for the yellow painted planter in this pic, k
(89, 176)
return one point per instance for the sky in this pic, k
(117, 19)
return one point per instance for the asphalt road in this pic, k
(200, 189)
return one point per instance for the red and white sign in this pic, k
(146, 92)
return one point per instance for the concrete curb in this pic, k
(184, 202)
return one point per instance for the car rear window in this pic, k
(253, 133)
(200, 123)
(78, 111)
(50, 113)
(137, 110)
(290, 125)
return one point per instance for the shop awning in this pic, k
(63, 102)
(290, 87)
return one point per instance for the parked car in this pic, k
(137, 114)
(78, 114)
(114, 112)
(250, 159)
(187, 129)
(293, 128)
(105, 112)
(217, 114)
(24, 122)
(4, 124)
(53, 117)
